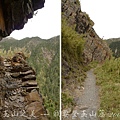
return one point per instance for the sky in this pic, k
(46, 24)
(106, 16)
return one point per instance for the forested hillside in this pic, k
(44, 58)
(114, 45)
(108, 79)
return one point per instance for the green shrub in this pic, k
(72, 42)
(108, 78)
(67, 99)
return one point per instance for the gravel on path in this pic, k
(88, 102)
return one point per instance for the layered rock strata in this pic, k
(19, 91)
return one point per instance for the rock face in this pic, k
(15, 13)
(95, 48)
(19, 92)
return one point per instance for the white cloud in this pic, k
(46, 24)
(105, 14)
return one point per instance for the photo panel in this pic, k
(30, 59)
(90, 79)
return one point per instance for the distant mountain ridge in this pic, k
(25, 42)
(111, 40)
(114, 44)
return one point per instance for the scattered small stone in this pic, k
(78, 87)
(83, 107)
(21, 99)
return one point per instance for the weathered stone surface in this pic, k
(38, 110)
(33, 96)
(17, 95)
(29, 83)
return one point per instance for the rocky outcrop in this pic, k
(19, 92)
(95, 48)
(15, 13)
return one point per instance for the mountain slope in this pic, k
(44, 59)
(114, 44)
(111, 40)
(80, 46)
(19, 90)
(108, 79)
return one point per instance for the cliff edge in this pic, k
(95, 48)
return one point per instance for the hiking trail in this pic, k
(88, 102)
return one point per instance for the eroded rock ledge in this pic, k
(19, 92)
(15, 13)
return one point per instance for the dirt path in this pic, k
(88, 102)
(89, 99)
